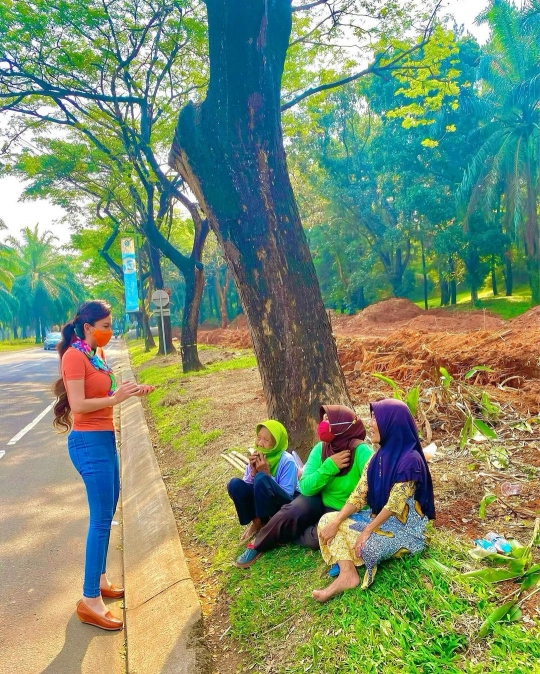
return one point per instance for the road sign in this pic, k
(160, 298)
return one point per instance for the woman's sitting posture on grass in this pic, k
(396, 485)
(332, 471)
(270, 480)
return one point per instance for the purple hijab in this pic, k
(399, 459)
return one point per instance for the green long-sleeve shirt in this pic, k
(319, 477)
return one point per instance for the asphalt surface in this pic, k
(43, 523)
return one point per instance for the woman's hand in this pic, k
(144, 390)
(328, 533)
(252, 459)
(262, 465)
(342, 459)
(125, 391)
(361, 541)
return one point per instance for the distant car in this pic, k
(51, 340)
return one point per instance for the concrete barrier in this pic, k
(162, 610)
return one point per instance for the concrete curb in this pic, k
(162, 609)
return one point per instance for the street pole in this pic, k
(163, 331)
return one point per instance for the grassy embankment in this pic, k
(19, 344)
(505, 307)
(414, 619)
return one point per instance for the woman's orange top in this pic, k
(97, 384)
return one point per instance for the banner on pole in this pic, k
(129, 266)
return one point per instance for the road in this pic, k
(43, 522)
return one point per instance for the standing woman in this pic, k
(86, 393)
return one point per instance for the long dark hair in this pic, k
(88, 312)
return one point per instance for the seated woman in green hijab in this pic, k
(270, 480)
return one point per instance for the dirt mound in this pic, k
(390, 311)
(409, 356)
(529, 320)
(388, 316)
(447, 320)
(239, 323)
(239, 339)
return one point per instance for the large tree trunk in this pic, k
(532, 236)
(149, 342)
(424, 274)
(230, 152)
(38, 325)
(221, 292)
(494, 276)
(157, 283)
(508, 273)
(190, 321)
(192, 270)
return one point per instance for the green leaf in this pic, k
(386, 380)
(412, 400)
(477, 368)
(518, 565)
(496, 616)
(446, 378)
(484, 429)
(435, 565)
(487, 500)
(492, 575)
(489, 408)
(465, 432)
(530, 580)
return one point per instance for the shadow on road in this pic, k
(77, 640)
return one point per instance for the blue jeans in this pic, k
(262, 498)
(94, 455)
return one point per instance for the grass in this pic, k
(415, 619)
(19, 344)
(505, 307)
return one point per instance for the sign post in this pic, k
(161, 298)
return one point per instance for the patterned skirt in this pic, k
(398, 536)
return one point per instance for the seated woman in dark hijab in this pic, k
(396, 485)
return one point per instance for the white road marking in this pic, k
(30, 426)
(2, 452)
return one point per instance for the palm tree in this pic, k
(45, 286)
(8, 267)
(509, 154)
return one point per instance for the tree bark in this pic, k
(38, 325)
(452, 282)
(221, 293)
(190, 321)
(229, 150)
(424, 274)
(508, 273)
(494, 277)
(157, 283)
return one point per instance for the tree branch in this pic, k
(373, 69)
(310, 5)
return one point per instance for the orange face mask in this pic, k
(102, 337)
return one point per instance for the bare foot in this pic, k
(254, 527)
(345, 581)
